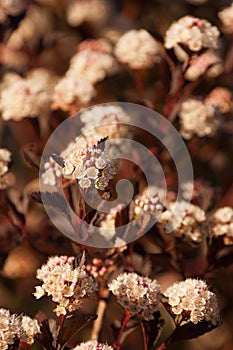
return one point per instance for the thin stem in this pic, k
(98, 322)
(126, 319)
(145, 337)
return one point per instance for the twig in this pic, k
(98, 322)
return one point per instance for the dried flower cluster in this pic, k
(93, 345)
(192, 32)
(65, 283)
(26, 97)
(192, 300)
(137, 49)
(197, 118)
(139, 295)
(13, 327)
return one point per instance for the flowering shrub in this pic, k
(105, 245)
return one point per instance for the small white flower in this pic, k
(84, 182)
(68, 168)
(92, 172)
(100, 163)
(80, 172)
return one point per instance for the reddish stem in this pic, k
(126, 319)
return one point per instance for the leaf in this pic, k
(36, 196)
(101, 143)
(45, 338)
(191, 330)
(131, 327)
(153, 329)
(76, 324)
(32, 155)
(59, 160)
(56, 201)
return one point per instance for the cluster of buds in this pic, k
(65, 283)
(16, 327)
(139, 295)
(148, 204)
(52, 171)
(5, 158)
(191, 301)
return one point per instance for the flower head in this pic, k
(139, 295)
(194, 33)
(193, 301)
(66, 284)
(138, 49)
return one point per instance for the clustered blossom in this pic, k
(139, 295)
(94, 12)
(148, 204)
(93, 61)
(93, 345)
(197, 118)
(26, 97)
(221, 224)
(13, 327)
(209, 62)
(220, 98)
(51, 172)
(193, 302)
(137, 49)
(90, 166)
(188, 222)
(65, 283)
(72, 94)
(226, 17)
(195, 33)
(5, 158)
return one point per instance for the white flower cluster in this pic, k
(14, 327)
(71, 94)
(188, 221)
(220, 98)
(51, 173)
(197, 118)
(222, 222)
(5, 158)
(226, 17)
(192, 300)
(148, 204)
(26, 97)
(90, 166)
(139, 295)
(94, 12)
(93, 62)
(65, 283)
(138, 49)
(93, 345)
(193, 32)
